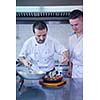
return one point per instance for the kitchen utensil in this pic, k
(29, 73)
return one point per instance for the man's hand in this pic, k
(69, 72)
(65, 57)
(25, 62)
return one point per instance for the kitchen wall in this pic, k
(57, 30)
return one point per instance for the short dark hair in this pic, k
(75, 14)
(39, 25)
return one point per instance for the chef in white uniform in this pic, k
(75, 70)
(40, 49)
(76, 44)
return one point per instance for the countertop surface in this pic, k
(72, 90)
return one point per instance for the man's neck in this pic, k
(78, 34)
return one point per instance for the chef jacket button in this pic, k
(45, 44)
(45, 52)
(37, 60)
(36, 53)
(35, 44)
(45, 59)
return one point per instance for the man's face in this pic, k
(40, 35)
(77, 24)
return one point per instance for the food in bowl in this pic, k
(53, 79)
(40, 72)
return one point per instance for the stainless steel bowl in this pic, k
(30, 74)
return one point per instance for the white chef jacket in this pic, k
(76, 55)
(43, 54)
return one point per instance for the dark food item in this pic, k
(53, 79)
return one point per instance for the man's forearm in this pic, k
(66, 53)
(65, 57)
(22, 59)
(25, 62)
(70, 65)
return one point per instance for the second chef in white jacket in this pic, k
(76, 44)
(76, 55)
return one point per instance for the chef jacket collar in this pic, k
(45, 42)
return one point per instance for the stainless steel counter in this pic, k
(72, 90)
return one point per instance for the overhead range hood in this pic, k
(27, 14)
(28, 11)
